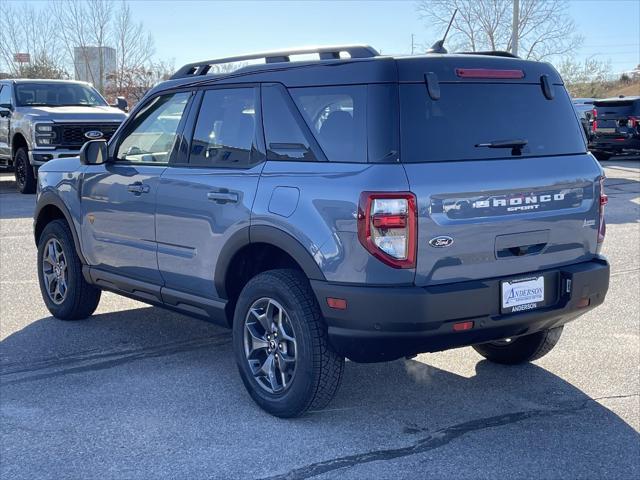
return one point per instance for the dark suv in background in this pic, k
(615, 126)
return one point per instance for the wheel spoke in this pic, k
(261, 317)
(51, 253)
(57, 248)
(257, 341)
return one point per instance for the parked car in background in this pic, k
(334, 208)
(584, 110)
(45, 119)
(616, 127)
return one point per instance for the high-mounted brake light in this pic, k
(388, 228)
(488, 73)
(602, 226)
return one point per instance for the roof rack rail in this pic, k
(326, 53)
(493, 53)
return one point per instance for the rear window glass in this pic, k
(472, 114)
(352, 123)
(337, 118)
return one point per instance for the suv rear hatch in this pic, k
(495, 155)
(617, 117)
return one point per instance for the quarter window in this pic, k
(155, 130)
(225, 132)
(285, 138)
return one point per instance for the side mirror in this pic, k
(5, 109)
(122, 104)
(94, 152)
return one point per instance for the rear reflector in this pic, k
(488, 73)
(462, 326)
(583, 302)
(337, 303)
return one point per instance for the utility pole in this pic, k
(514, 27)
(412, 44)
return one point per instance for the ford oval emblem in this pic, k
(93, 134)
(441, 241)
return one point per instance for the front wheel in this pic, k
(281, 346)
(528, 348)
(66, 293)
(25, 178)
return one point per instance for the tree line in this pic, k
(57, 35)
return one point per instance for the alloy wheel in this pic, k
(54, 271)
(269, 345)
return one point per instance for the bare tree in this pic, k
(544, 27)
(85, 24)
(27, 30)
(134, 49)
(590, 78)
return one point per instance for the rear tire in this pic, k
(307, 373)
(66, 293)
(25, 177)
(522, 349)
(601, 156)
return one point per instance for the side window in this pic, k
(285, 139)
(154, 130)
(225, 132)
(337, 116)
(5, 95)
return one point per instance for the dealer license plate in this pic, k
(522, 294)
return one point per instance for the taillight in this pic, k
(594, 112)
(602, 227)
(387, 227)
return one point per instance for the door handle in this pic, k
(223, 197)
(138, 188)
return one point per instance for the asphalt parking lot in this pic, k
(138, 392)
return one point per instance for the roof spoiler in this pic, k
(278, 56)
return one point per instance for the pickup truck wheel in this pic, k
(66, 293)
(25, 178)
(281, 346)
(528, 348)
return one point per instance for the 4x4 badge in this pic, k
(441, 241)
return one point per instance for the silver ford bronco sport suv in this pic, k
(358, 205)
(45, 119)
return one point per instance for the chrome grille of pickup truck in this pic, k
(74, 135)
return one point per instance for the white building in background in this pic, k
(87, 60)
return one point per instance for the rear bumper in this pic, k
(615, 144)
(385, 323)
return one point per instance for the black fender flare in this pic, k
(268, 235)
(46, 199)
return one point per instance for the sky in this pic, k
(186, 31)
(197, 30)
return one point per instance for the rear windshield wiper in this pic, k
(516, 143)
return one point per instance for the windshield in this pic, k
(57, 95)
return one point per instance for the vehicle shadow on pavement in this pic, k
(150, 384)
(12, 203)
